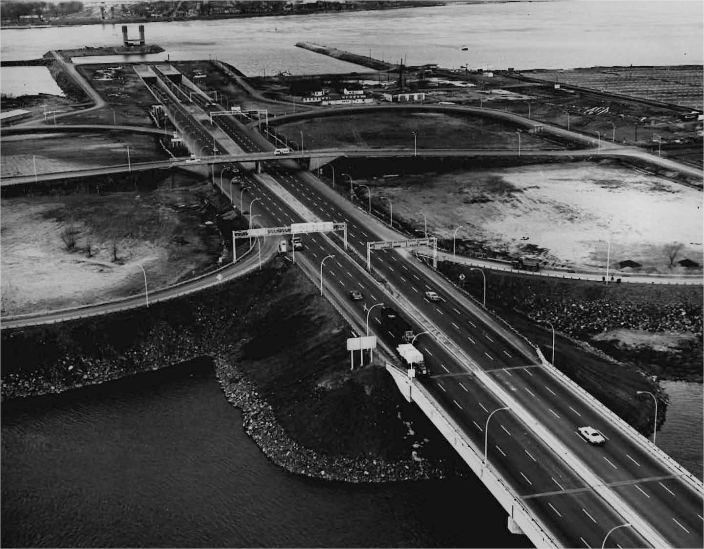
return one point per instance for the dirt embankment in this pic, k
(280, 355)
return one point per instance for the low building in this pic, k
(404, 97)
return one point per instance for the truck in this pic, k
(526, 263)
(283, 248)
(282, 150)
(296, 243)
(413, 358)
(394, 323)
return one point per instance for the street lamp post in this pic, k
(416, 337)
(146, 291)
(519, 142)
(484, 277)
(321, 272)
(598, 143)
(528, 102)
(251, 205)
(553, 341)
(129, 162)
(391, 210)
(34, 161)
(333, 176)
(603, 543)
(114, 120)
(454, 236)
(369, 196)
(425, 224)
(613, 132)
(655, 419)
(369, 310)
(301, 132)
(486, 429)
(415, 144)
(241, 192)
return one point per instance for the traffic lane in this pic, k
(674, 516)
(585, 519)
(470, 336)
(626, 459)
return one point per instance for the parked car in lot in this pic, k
(356, 295)
(432, 296)
(591, 435)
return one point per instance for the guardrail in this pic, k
(470, 453)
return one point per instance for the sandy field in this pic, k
(572, 211)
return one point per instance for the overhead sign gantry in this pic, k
(412, 243)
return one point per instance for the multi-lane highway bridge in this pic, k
(506, 410)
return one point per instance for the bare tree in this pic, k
(672, 250)
(114, 251)
(68, 235)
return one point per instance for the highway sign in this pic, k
(385, 244)
(311, 227)
(258, 232)
(359, 343)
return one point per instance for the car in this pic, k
(356, 295)
(591, 435)
(432, 296)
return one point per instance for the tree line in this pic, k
(13, 10)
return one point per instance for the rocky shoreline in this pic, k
(260, 423)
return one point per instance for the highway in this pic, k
(570, 485)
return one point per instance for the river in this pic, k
(161, 460)
(555, 34)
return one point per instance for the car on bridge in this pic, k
(432, 296)
(356, 295)
(591, 435)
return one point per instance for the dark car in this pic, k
(356, 295)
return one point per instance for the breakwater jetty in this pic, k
(369, 62)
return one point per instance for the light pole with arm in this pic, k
(129, 162)
(251, 205)
(655, 419)
(553, 341)
(416, 337)
(603, 543)
(241, 193)
(486, 429)
(484, 277)
(333, 176)
(519, 142)
(425, 224)
(321, 272)
(369, 310)
(391, 210)
(301, 132)
(146, 291)
(454, 236)
(114, 119)
(415, 144)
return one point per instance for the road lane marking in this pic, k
(460, 407)
(560, 485)
(414, 289)
(504, 428)
(391, 269)
(426, 350)
(341, 283)
(509, 373)
(404, 279)
(456, 311)
(531, 392)
(416, 277)
(443, 388)
(348, 273)
(486, 336)
(443, 367)
(314, 254)
(531, 457)
(591, 517)
(700, 516)
(487, 354)
(548, 388)
(499, 449)
(525, 477)
(678, 524)
(429, 288)
(465, 388)
(480, 404)
(666, 488)
(455, 325)
(360, 285)
(558, 512)
(507, 354)
(612, 465)
(482, 430)
(406, 268)
(642, 492)
(374, 298)
(575, 411)
(553, 413)
(633, 460)
(379, 321)
(393, 258)
(472, 323)
(527, 371)
(471, 340)
(584, 542)
(439, 311)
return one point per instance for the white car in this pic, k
(432, 296)
(591, 435)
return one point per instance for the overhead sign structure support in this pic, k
(412, 243)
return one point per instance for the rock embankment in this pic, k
(346, 56)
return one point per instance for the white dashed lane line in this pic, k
(633, 460)
(456, 311)
(525, 477)
(460, 407)
(591, 517)
(531, 457)
(465, 388)
(500, 450)
(439, 311)
(416, 277)
(504, 428)
(414, 289)
(531, 392)
(507, 354)
(666, 488)
(548, 388)
(558, 512)
(584, 542)
(455, 325)
(527, 371)
(472, 323)
(641, 491)
(488, 355)
(471, 340)
(486, 336)
(478, 427)
(444, 368)
(575, 411)
(443, 388)
(560, 485)
(553, 413)
(480, 404)
(612, 465)
(678, 524)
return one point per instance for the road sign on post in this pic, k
(412, 243)
(361, 343)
